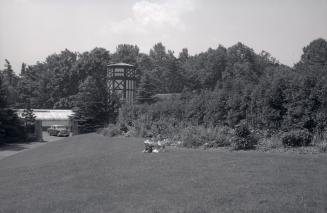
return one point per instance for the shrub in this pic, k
(296, 138)
(110, 131)
(166, 128)
(219, 137)
(320, 141)
(142, 128)
(323, 146)
(243, 139)
(195, 136)
(271, 142)
(244, 143)
(242, 131)
(192, 137)
(123, 127)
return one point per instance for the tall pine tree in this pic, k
(95, 108)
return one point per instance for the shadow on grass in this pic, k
(17, 146)
(12, 147)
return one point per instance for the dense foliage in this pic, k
(11, 128)
(296, 138)
(221, 86)
(250, 88)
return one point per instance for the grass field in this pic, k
(91, 173)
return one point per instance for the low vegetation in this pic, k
(110, 131)
(244, 139)
(240, 138)
(297, 138)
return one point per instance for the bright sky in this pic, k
(30, 30)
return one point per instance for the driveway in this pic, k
(14, 148)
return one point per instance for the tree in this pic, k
(241, 64)
(36, 87)
(60, 68)
(28, 116)
(158, 54)
(8, 73)
(11, 129)
(95, 109)
(3, 94)
(93, 63)
(10, 81)
(315, 53)
(204, 70)
(183, 56)
(145, 90)
(126, 53)
(314, 59)
(29, 119)
(23, 69)
(165, 73)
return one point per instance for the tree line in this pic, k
(219, 86)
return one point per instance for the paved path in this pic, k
(11, 149)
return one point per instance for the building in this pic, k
(122, 81)
(50, 117)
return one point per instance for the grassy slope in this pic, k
(91, 173)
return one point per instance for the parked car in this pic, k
(58, 130)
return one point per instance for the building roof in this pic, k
(120, 65)
(49, 114)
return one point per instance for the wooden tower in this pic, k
(122, 81)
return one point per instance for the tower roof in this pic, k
(120, 65)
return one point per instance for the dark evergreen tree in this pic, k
(145, 90)
(11, 128)
(95, 109)
(10, 81)
(28, 116)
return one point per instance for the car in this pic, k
(58, 130)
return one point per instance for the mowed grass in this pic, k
(92, 173)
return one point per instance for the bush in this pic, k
(219, 137)
(242, 131)
(195, 136)
(192, 137)
(296, 138)
(320, 141)
(167, 127)
(141, 128)
(244, 143)
(243, 139)
(323, 146)
(271, 141)
(110, 131)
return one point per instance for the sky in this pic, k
(30, 30)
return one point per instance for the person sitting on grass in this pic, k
(148, 146)
(154, 145)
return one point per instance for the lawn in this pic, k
(92, 173)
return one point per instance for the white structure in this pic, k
(51, 116)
